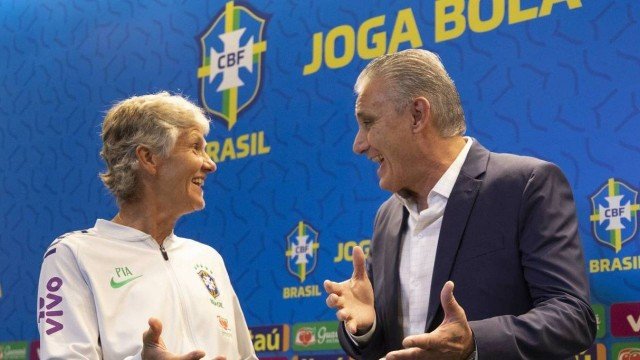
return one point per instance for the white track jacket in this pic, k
(99, 287)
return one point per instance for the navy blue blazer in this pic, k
(509, 241)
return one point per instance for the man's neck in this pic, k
(439, 154)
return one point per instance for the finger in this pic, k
(343, 315)
(219, 358)
(152, 335)
(359, 269)
(352, 326)
(334, 301)
(423, 341)
(195, 355)
(412, 353)
(332, 287)
(448, 301)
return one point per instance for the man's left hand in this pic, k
(451, 340)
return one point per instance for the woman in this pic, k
(99, 288)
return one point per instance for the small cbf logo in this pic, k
(302, 250)
(232, 47)
(209, 283)
(614, 214)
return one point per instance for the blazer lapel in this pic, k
(390, 277)
(454, 222)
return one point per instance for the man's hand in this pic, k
(451, 340)
(153, 348)
(354, 297)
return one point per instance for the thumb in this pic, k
(359, 269)
(152, 336)
(452, 310)
(195, 355)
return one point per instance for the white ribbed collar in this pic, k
(121, 232)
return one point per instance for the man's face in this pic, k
(384, 136)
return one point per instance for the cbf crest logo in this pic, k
(231, 62)
(302, 250)
(209, 283)
(614, 214)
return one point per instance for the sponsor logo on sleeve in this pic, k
(50, 307)
(224, 327)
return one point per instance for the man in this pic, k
(501, 227)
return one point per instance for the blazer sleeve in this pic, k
(374, 349)
(67, 321)
(561, 322)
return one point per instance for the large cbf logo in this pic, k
(614, 214)
(231, 52)
(302, 250)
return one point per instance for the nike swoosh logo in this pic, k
(115, 284)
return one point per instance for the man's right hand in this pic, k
(354, 297)
(153, 348)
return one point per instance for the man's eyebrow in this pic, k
(362, 115)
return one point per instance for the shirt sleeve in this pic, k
(361, 340)
(67, 321)
(245, 346)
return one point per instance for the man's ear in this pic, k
(421, 113)
(147, 160)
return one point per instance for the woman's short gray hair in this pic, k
(154, 121)
(413, 73)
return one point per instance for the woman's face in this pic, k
(181, 175)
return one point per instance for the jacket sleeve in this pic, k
(375, 348)
(561, 322)
(67, 320)
(245, 346)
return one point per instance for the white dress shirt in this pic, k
(418, 253)
(419, 245)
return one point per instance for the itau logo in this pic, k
(230, 69)
(614, 209)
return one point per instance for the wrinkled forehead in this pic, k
(373, 93)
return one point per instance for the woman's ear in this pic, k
(147, 160)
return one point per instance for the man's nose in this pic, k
(360, 144)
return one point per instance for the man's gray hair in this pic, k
(154, 121)
(413, 73)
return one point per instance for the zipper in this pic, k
(164, 253)
(173, 278)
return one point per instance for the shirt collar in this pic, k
(445, 184)
(125, 233)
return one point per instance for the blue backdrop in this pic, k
(555, 79)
